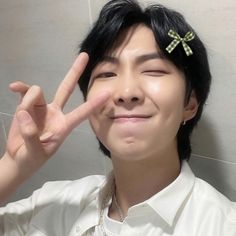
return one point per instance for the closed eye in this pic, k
(105, 75)
(154, 73)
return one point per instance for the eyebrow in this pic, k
(146, 57)
(139, 59)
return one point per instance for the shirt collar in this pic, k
(90, 216)
(168, 202)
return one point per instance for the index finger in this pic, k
(68, 84)
(81, 113)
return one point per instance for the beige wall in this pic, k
(38, 42)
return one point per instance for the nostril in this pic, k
(120, 100)
(134, 99)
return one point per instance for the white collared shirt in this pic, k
(187, 207)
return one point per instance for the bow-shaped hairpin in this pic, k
(177, 39)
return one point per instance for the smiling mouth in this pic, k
(130, 118)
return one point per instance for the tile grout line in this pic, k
(90, 13)
(4, 129)
(6, 114)
(213, 159)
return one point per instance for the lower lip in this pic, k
(129, 119)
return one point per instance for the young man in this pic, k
(145, 84)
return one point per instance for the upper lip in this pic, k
(130, 116)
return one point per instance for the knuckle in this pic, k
(36, 89)
(29, 131)
(22, 106)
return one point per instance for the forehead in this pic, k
(137, 39)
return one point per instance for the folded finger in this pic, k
(33, 97)
(29, 132)
(19, 87)
(68, 84)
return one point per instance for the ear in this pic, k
(191, 108)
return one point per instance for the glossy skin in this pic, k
(146, 108)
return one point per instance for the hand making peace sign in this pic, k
(38, 128)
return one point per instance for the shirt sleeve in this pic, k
(15, 217)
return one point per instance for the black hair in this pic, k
(119, 15)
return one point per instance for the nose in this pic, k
(128, 92)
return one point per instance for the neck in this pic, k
(138, 181)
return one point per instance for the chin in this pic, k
(128, 149)
(129, 153)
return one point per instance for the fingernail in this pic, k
(23, 117)
(104, 94)
(80, 59)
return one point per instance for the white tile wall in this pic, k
(38, 42)
(220, 174)
(96, 6)
(2, 136)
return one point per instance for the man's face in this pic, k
(146, 107)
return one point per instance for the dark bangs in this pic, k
(118, 15)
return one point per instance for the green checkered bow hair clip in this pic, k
(177, 39)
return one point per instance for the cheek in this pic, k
(93, 90)
(167, 95)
